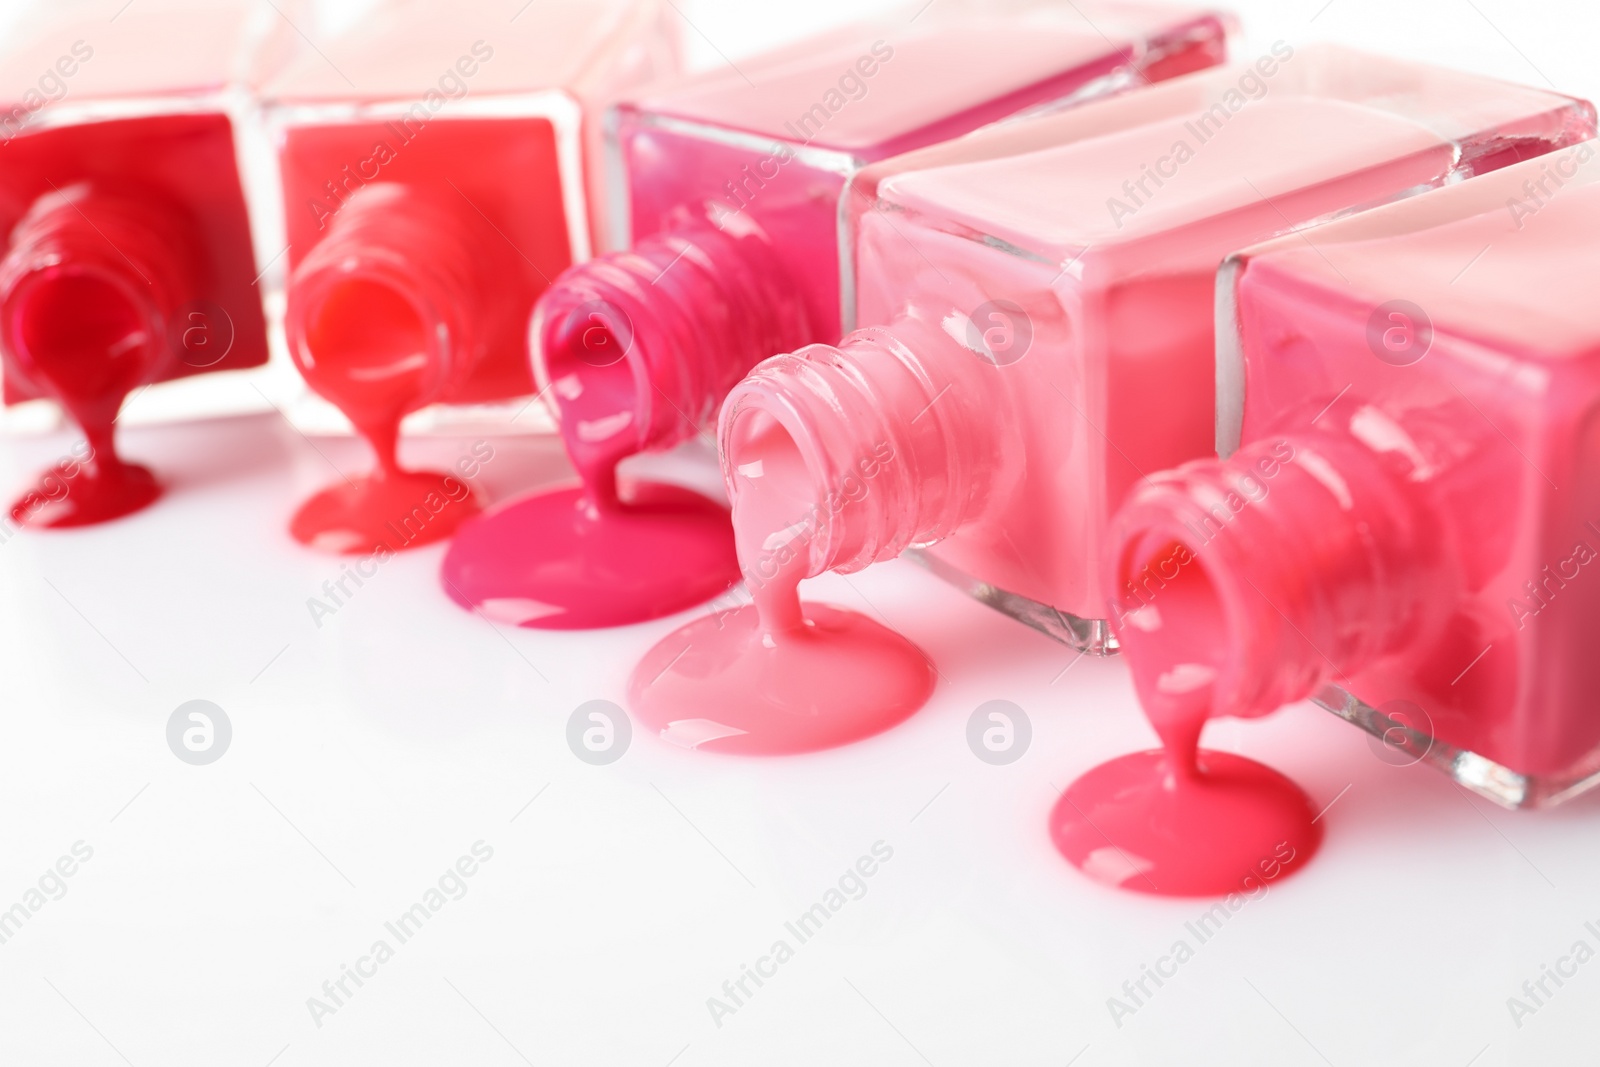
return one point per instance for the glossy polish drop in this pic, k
(85, 344)
(1182, 821)
(380, 337)
(601, 553)
(778, 677)
(86, 289)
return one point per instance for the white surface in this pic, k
(369, 754)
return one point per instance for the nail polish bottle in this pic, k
(1406, 524)
(1042, 294)
(128, 262)
(734, 182)
(438, 166)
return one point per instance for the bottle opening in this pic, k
(85, 332)
(367, 342)
(586, 355)
(778, 517)
(1173, 622)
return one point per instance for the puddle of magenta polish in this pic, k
(602, 553)
(1181, 820)
(366, 350)
(778, 677)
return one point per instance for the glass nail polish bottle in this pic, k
(1406, 526)
(1043, 296)
(439, 165)
(128, 260)
(733, 184)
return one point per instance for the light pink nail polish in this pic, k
(128, 259)
(439, 165)
(1045, 311)
(1406, 524)
(734, 185)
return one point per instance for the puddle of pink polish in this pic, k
(778, 677)
(1182, 821)
(601, 553)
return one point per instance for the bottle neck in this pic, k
(891, 441)
(385, 313)
(88, 289)
(646, 343)
(1299, 561)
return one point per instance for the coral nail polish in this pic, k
(735, 181)
(128, 260)
(439, 166)
(1045, 294)
(1407, 519)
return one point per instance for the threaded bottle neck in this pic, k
(1301, 560)
(889, 433)
(384, 313)
(88, 288)
(644, 344)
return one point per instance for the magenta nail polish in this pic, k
(734, 182)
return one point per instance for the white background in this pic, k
(369, 754)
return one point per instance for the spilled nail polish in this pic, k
(127, 258)
(778, 676)
(605, 552)
(440, 164)
(1182, 820)
(734, 206)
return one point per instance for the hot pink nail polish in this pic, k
(735, 181)
(129, 258)
(439, 166)
(1405, 524)
(1045, 294)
